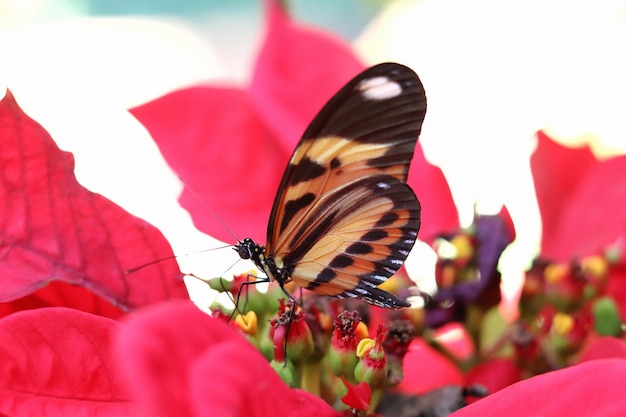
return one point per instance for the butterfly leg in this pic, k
(245, 285)
(292, 315)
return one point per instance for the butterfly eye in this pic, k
(244, 249)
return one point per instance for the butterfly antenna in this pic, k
(156, 261)
(209, 208)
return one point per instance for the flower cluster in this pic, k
(324, 346)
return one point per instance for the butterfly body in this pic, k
(344, 219)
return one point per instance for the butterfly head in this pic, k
(249, 249)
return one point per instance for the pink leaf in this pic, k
(223, 153)
(574, 191)
(297, 71)
(425, 369)
(604, 348)
(178, 361)
(557, 172)
(56, 361)
(594, 388)
(53, 228)
(439, 213)
(494, 374)
(229, 146)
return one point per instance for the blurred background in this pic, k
(495, 73)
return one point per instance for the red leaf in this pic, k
(178, 361)
(594, 388)
(56, 361)
(62, 294)
(575, 191)
(53, 228)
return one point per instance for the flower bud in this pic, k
(396, 344)
(298, 344)
(606, 317)
(342, 354)
(564, 287)
(248, 323)
(285, 371)
(372, 364)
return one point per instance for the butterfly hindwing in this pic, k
(360, 237)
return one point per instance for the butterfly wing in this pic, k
(355, 239)
(328, 198)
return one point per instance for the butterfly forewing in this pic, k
(370, 127)
(343, 219)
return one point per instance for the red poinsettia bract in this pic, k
(178, 361)
(581, 199)
(230, 145)
(54, 229)
(593, 388)
(58, 362)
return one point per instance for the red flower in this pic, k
(594, 388)
(178, 361)
(230, 145)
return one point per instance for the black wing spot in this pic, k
(359, 248)
(387, 219)
(335, 163)
(374, 235)
(292, 207)
(306, 170)
(323, 277)
(341, 261)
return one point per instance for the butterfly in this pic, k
(344, 219)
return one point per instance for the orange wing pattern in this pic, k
(344, 219)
